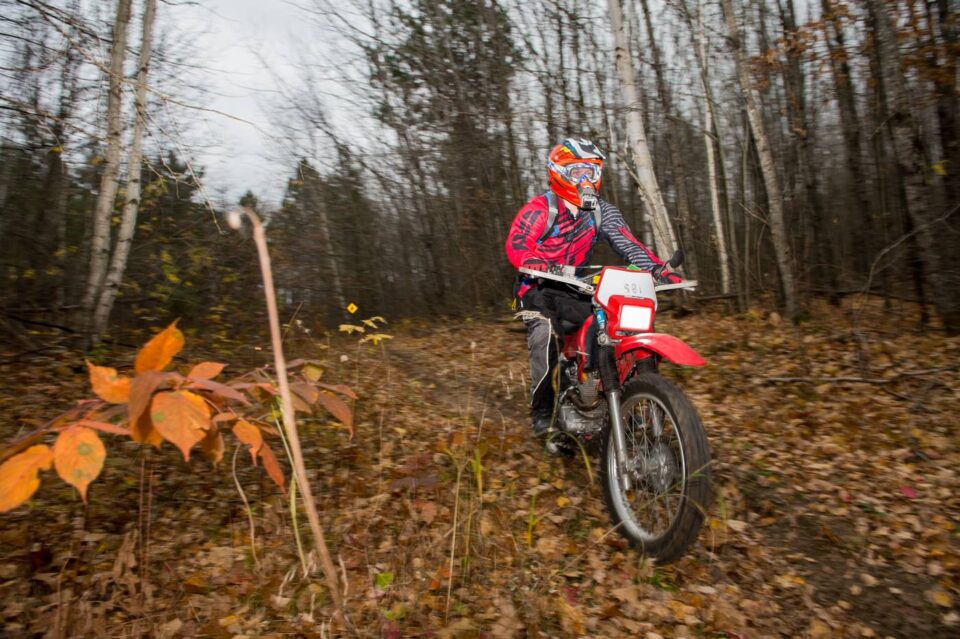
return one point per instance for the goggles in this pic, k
(578, 171)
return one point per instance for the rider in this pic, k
(574, 168)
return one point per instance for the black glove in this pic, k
(662, 275)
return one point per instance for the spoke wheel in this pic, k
(659, 497)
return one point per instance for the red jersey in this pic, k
(571, 240)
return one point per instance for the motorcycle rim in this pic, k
(667, 466)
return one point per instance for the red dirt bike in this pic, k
(654, 455)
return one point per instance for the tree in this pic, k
(128, 223)
(663, 236)
(100, 239)
(767, 165)
(938, 244)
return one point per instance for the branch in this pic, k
(855, 380)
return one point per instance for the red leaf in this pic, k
(110, 387)
(159, 351)
(206, 370)
(338, 388)
(220, 389)
(182, 417)
(338, 409)
(307, 392)
(272, 466)
(78, 455)
(908, 492)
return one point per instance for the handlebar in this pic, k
(581, 283)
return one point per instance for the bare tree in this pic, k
(768, 167)
(938, 246)
(128, 223)
(664, 239)
(100, 240)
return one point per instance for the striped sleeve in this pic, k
(613, 230)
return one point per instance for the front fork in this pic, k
(613, 389)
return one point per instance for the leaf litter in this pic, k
(836, 513)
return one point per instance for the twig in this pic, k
(286, 406)
(453, 542)
(857, 380)
(901, 240)
(246, 507)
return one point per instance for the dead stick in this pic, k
(286, 405)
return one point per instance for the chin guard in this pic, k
(588, 196)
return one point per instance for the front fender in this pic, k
(666, 346)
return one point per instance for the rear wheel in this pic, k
(659, 498)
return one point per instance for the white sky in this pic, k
(235, 38)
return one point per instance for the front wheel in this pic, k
(658, 499)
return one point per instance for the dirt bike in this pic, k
(654, 454)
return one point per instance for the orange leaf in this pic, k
(212, 446)
(110, 387)
(141, 390)
(182, 417)
(339, 409)
(143, 432)
(159, 351)
(272, 466)
(249, 435)
(78, 455)
(206, 370)
(18, 475)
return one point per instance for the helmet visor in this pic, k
(579, 171)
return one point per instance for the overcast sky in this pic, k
(236, 36)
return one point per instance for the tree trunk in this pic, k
(664, 239)
(781, 244)
(100, 238)
(128, 222)
(710, 136)
(850, 127)
(933, 236)
(680, 177)
(821, 232)
(100, 234)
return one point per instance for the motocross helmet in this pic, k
(574, 167)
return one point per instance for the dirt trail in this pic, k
(835, 515)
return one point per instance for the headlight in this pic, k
(635, 318)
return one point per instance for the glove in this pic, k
(663, 276)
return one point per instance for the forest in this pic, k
(804, 155)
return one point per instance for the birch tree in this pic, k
(710, 136)
(128, 223)
(771, 181)
(664, 239)
(100, 238)
(938, 254)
